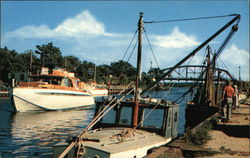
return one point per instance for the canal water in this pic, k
(33, 134)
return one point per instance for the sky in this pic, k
(101, 31)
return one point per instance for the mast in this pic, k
(138, 75)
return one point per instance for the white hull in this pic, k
(30, 99)
(99, 94)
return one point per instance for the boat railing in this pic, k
(5, 93)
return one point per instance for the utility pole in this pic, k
(239, 74)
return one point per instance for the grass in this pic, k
(200, 136)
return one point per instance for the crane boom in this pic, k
(237, 16)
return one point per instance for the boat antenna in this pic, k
(138, 75)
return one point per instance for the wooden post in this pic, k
(138, 76)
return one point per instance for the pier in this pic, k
(226, 140)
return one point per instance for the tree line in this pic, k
(48, 55)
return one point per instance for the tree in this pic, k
(9, 62)
(50, 56)
(71, 63)
(122, 67)
(82, 71)
(155, 73)
(103, 73)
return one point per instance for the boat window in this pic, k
(77, 83)
(67, 82)
(169, 117)
(21, 77)
(154, 119)
(55, 81)
(109, 117)
(126, 114)
(175, 117)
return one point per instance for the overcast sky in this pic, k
(101, 31)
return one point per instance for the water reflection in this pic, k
(34, 134)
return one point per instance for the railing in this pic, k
(5, 93)
(116, 89)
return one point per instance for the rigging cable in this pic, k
(191, 89)
(151, 48)
(95, 120)
(149, 113)
(132, 51)
(189, 19)
(129, 45)
(226, 68)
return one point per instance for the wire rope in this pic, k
(189, 19)
(151, 48)
(132, 51)
(148, 114)
(226, 67)
(129, 45)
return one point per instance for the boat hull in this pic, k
(107, 145)
(99, 94)
(33, 99)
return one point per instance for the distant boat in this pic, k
(56, 91)
(98, 91)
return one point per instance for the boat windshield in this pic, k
(122, 116)
(48, 79)
(66, 82)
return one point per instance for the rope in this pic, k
(94, 121)
(146, 116)
(150, 111)
(226, 67)
(151, 48)
(132, 51)
(129, 45)
(99, 112)
(189, 19)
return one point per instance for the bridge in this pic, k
(196, 73)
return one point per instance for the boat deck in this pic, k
(107, 139)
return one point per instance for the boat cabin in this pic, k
(57, 79)
(159, 117)
(54, 80)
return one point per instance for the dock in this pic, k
(227, 140)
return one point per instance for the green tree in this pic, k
(71, 63)
(155, 73)
(50, 56)
(122, 67)
(103, 73)
(83, 71)
(29, 62)
(9, 62)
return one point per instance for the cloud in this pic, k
(233, 57)
(83, 24)
(176, 39)
(86, 38)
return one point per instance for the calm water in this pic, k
(33, 134)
